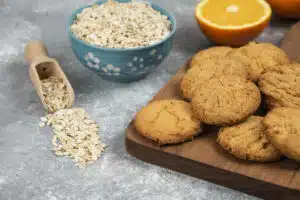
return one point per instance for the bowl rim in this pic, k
(169, 14)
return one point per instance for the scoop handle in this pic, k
(35, 49)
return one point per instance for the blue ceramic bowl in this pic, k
(122, 65)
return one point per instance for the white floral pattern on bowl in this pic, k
(92, 61)
(111, 70)
(137, 65)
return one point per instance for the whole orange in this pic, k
(286, 8)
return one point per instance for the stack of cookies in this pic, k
(225, 87)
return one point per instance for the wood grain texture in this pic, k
(204, 159)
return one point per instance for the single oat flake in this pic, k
(75, 135)
(121, 25)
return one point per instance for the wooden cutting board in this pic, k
(204, 159)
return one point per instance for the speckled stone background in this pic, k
(29, 169)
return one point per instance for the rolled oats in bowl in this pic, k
(121, 42)
(121, 25)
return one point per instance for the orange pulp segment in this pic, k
(232, 12)
(232, 22)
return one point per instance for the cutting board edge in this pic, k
(209, 173)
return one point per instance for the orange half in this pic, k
(232, 22)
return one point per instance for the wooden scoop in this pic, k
(43, 67)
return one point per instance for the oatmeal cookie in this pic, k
(281, 86)
(207, 54)
(167, 122)
(207, 70)
(283, 130)
(226, 100)
(259, 56)
(247, 140)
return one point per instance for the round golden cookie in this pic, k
(226, 100)
(259, 56)
(283, 130)
(281, 86)
(247, 140)
(207, 54)
(167, 122)
(209, 69)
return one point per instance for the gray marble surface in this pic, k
(29, 169)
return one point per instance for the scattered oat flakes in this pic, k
(55, 93)
(75, 135)
(121, 25)
(43, 119)
(41, 124)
